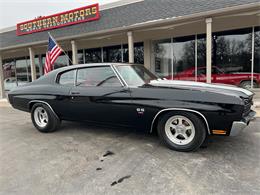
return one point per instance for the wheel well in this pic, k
(163, 112)
(31, 103)
(247, 80)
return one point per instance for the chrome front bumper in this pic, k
(238, 126)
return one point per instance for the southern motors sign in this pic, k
(67, 18)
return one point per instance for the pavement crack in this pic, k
(120, 180)
(108, 153)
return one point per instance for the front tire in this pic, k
(44, 119)
(181, 131)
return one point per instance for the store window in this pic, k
(232, 54)
(112, 54)
(257, 57)
(175, 58)
(125, 53)
(163, 58)
(201, 63)
(81, 56)
(93, 55)
(23, 71)
(38, 66)
(9, 74)
(138, 53)
(183, 58)
(61, 61)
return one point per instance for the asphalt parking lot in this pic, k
(83, 159)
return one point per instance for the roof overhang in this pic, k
(135, 27)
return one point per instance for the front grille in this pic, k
(247, 107)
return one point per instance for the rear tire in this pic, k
(44, 119)
(181, 131)
(247, 84)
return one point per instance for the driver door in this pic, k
(98, 96)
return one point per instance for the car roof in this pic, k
(91, 65)
(51, 76)
(101, 64)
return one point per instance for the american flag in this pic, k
(52, 54)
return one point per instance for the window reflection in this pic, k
(23, 71)
(125, 53)
(9, 75)
(232, 53)
(112, 54)
(38, 67)
(231, 58)
(163, 58)
(184, 58)
(80, 57)
(61, 61)
(93, 55)
(257, 57)
(176, 59)
(201, 59)
(138, 53)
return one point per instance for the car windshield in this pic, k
(135, 75)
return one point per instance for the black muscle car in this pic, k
(183, 113)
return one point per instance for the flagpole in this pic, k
(61, 49)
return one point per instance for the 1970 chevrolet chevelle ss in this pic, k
(183, 113)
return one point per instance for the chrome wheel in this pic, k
(180, 130)
(40, 117)
(247, 86)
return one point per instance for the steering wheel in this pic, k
(108, 78)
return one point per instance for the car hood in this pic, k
(215, 88)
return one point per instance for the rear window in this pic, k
(67, 78)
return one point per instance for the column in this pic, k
(2, 90)
(130, 47)
(32, 63)
(74, 52)
(147, 54)
(252, 57)
(209, 47)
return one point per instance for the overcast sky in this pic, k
(15, 11)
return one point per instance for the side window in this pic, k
(67, 78)
(97, 76)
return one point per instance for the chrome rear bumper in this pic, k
(238, 126)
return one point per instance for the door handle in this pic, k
(75, 93)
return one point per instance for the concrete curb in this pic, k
(4, 103)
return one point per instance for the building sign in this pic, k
(67, 18)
